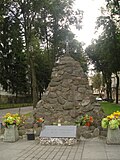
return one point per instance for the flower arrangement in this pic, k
(112, 121)
(11, 119)
(85, 120)
(40, 120)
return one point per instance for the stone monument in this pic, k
(60, 135)
(68, 95)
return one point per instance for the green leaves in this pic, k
(32, 34)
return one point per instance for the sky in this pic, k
(91, 10)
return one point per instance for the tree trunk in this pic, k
(34, 84)
(107, 92)
(33, 76)
(16, 97)
(110, 89)
(117, 88)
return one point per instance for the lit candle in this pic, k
(59, 122)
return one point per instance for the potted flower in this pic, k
(11, 122)
(83, 124)
(39, 121)
(37, 126)
(11, 119)
(112, 123)
(85, 120)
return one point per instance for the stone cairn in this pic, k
(69, 96)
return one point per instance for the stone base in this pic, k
(11, 134)
(87, 132)
(113, 136)
(58, 141)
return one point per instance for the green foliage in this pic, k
(114, 124)
(32, 35)
(97, 81)
(112, 121)
(85, 120)
(13, 60)
(109, 108)
(114, 7)
(104, 52)
(76, 51)
(43, 71)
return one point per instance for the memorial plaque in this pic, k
(58, 132)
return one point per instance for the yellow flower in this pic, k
(10, 119)
(110, 116)
(116, 113)
(113, 120)
(7, 115)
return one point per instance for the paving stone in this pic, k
(94, 159)
(90, 149)
(94, 155)
(114, 155)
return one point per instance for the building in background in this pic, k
(114, 82)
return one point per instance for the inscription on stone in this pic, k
(58, 132)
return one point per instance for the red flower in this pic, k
(40, 120)
(91, 119)
(88, 124)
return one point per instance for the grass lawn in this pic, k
(7, 106)
(109, 108)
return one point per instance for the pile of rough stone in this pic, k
(69, 96)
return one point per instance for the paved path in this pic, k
(90, 149)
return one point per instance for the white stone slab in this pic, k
(58, 131)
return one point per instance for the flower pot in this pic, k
(11, 133)
(113, 136)
(30, 136)
(35, 125)
(39, 124)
